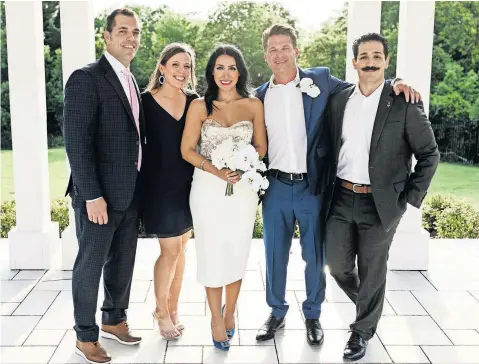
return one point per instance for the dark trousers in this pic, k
(110, 248)
(284, 203)
(353, 229)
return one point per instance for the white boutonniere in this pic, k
(307, 85)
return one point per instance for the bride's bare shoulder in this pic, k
(198, 106)
(198, 101)
(255, 103)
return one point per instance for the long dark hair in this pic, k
(169, 51)
(243, 86)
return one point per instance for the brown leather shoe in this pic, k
(92, 352)
(120, 333)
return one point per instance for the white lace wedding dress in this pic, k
(223, 225)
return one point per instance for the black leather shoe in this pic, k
(355, 348)
(314, 332)
(269, 328)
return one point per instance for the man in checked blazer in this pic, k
(104, 135)
(374, 134)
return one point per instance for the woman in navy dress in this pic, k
(167, 178)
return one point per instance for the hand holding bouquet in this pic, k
(243, 158)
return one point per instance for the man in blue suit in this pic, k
(299, 158)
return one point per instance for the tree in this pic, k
(54, 92)
(328, 47)
(456, 30)
(169, 29)
(242, 24)
(51, 24)
(159, 27)
(5, 117)
(455, 61)
(53, 72)
(389, 29)
(6, 136)
(455, 97)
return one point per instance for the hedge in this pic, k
(443, 216)
(449, 218)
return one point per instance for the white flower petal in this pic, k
(264, 183)
(313, 92)
(261, 166)
(305, 82)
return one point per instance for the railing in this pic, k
(458, 141)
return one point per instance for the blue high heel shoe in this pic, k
(222, 345)
(229, 333)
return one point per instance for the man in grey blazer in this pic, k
(374, 135)
(104, 135)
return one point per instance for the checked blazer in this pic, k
(101, 137)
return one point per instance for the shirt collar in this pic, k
(294, 82)
(376, 92)
(115, 64)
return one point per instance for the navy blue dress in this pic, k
(165, 174)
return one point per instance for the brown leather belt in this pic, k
(356, 187)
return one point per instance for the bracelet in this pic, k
(202, 164)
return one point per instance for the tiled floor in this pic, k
(428, 317)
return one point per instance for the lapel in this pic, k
(307, 103)
(261, 91)
(338, 121)
(112, 78)
(385, 104)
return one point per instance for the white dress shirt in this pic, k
(358, 123)
(286, 127)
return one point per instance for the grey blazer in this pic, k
(401, 130)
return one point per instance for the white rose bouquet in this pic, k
(243, 158)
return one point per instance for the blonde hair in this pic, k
(280, 29)
(169, 51)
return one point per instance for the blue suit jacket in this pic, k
(319, 154)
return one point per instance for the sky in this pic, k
(309, 13)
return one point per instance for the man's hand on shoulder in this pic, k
(96, 210)
(409, 92)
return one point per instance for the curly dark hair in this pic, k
(370, 37)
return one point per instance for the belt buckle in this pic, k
(301, 178)
(291, 175)
(356, 185)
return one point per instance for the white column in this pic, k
(78, 49)
(363, 17)
(410, 249)
(35, 238)
(415, 43)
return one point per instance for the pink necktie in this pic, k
(135, 109)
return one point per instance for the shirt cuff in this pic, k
(94, 199)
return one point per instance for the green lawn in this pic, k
(451, 179)
(458, 181)
(57, 169)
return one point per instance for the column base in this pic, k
(34, 250)
(409, 251)
(69, 247)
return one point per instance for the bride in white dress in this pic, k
(223, 225)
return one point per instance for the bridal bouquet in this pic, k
(244, 158)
